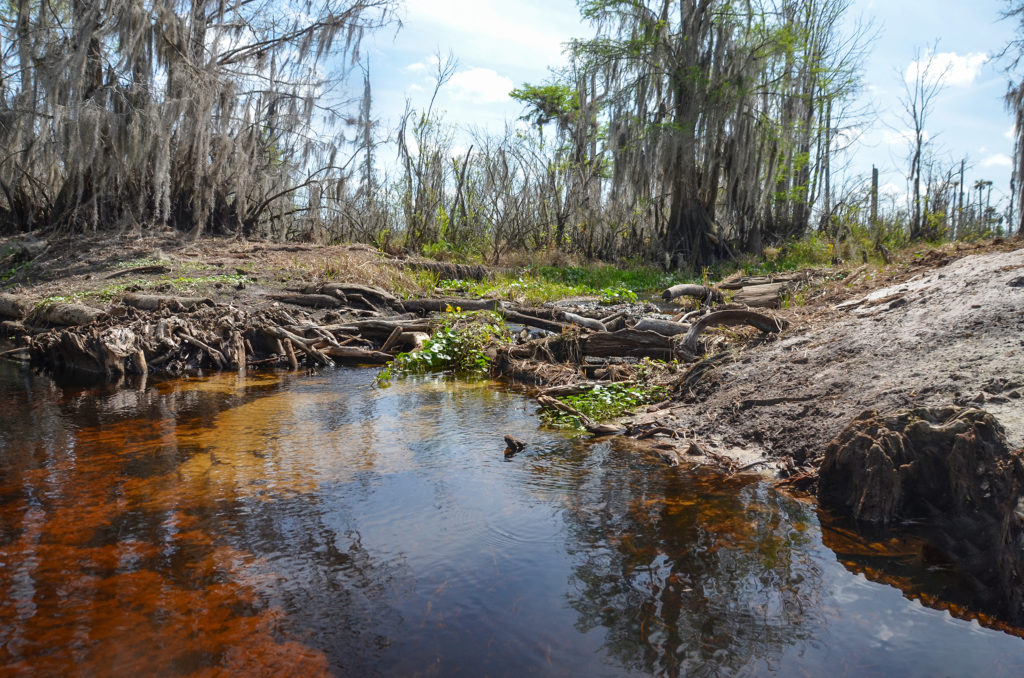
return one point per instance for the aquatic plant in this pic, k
(602, 403)
(457, 346)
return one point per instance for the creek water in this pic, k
(309, 525)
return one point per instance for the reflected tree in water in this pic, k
(689, 576)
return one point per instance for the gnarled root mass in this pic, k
(176, 339)
(949, 469)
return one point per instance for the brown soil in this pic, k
(945, 327)
(85, 264)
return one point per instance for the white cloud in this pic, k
(481, 86)
(526, 32)
(893, 137)
(892, 188)
(949, 68)
(1010, 132)
(997, 160)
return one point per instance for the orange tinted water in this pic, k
(286, 525)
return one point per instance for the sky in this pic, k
(500, 44)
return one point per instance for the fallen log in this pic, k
(440, 305)
(154, 302)
(765, 323)
(447, 270)
(762, 296)
(739, 282)
(66, 314)
(289, 351)
(702, 293)
(308, 300)
(588, 323)
(532, 321)
(395, 334)
(628, 343)
(14, 306)
(542, 312)
(367, 292)
(615, 321)
(663, 327)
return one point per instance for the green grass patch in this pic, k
(640, 279)
(531, 288)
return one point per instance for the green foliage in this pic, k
(619, 294)
(602, 403)
(638, 279)
(458, 346)
(523, 287)
(546, 102)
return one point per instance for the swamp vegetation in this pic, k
(195, 212)
(682, 133)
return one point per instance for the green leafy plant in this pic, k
(618, 294)
(457, 346)
(602, 403)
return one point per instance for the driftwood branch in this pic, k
(13, 306)
(358, 355)
(663, 327)
(533, 321)
(628, 343)
(217, 356)
(303, 345)
(154, 302)
(392, 340)
(765, 323)
(762, 296)
(588, 423)
(66, 314)
(588, 323)
(700, 292)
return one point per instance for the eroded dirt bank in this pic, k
(945, 332)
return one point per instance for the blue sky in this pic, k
(500, 45)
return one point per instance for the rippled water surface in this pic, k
(290, 525)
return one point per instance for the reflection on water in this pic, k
(283, 525)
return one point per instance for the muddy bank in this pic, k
(946, 331)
